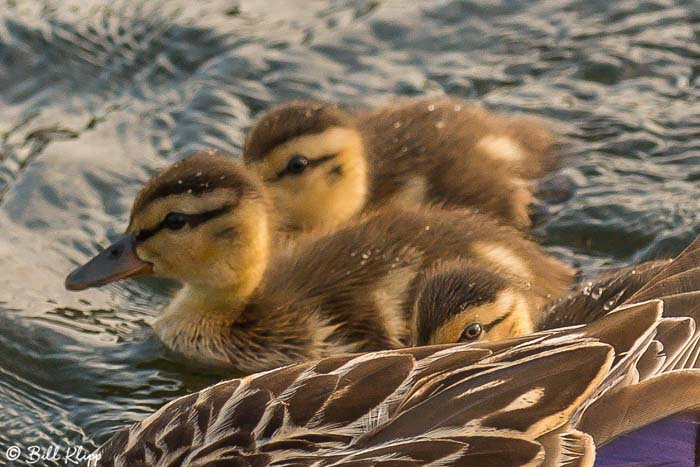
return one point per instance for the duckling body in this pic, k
(324, 165)
(205, 222)
(559, 397)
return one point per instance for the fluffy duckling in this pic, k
(324, 165)
(601, 393)
(246, 306)
(465, 302)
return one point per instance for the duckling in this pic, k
(465, 303)
(324, 165)
(567, 396)
(205, 222)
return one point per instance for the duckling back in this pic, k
(366, 275)
(454, 154)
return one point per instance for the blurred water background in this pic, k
(95, 96)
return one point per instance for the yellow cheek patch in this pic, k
(326, 195)
(512, 326)
(200, 255)
(450, 332)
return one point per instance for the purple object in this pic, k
(672, 442)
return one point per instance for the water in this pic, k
(95, 96)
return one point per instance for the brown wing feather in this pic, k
(531, 396)
(641, 404)
(463, 451)
(685, 262)
(675, 336)
(568, 447)
(594, 299)
(679, 283)
(651, 361)
(364, 387)
(309, 396)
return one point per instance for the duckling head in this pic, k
(312, 159)
(467, 303)
(201, 221)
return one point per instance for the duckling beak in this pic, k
(117, 262)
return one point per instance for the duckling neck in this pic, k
(197, 322)
(221, 303)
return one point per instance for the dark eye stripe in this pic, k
(487, 327)
(193, 220)
(311, 163)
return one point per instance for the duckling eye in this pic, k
(297, 164)
(471, 332)
(175, 221)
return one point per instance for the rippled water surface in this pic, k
(95, 96)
